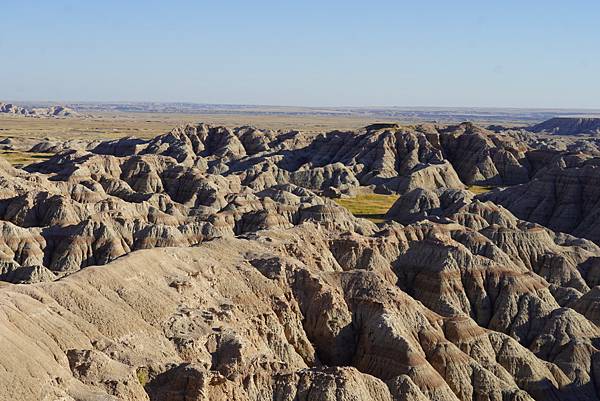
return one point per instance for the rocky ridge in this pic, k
(52, 111)
(564, 197)
(264, 289)
(569, 126)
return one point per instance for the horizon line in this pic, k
(366, 107)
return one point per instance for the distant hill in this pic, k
(569, 126)
(52, 111)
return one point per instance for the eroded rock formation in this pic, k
(52, 111)
(569, 126)
(249, 284)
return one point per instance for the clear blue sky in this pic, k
(315, 53)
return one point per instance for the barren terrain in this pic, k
(154, 257)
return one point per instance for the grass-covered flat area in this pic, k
(479, 189)
(105, 125)
(374, 206)
(369, 206)
(20, 159)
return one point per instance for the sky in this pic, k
(526, 53)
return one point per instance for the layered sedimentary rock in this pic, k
(425, 311)
(260, 288)
(564, 197)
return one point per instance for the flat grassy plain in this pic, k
(147, 125)
(94, 127)
(20, 159)
(368, 205)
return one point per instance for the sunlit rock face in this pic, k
(208, 263)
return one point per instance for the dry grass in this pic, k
(147, 125)
(101, 127)
(369, 206)
(20, 159)
(142, 376)
(479, 189)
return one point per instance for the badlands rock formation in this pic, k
(564, 197)
(569, 126)
(247, 283)
(52, 111)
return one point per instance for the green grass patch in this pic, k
(369, 206)
(142, 376)
(19, 159)
(479, 189)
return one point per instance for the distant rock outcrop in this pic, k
(569, 126)
(52, 111)
(10, 108)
